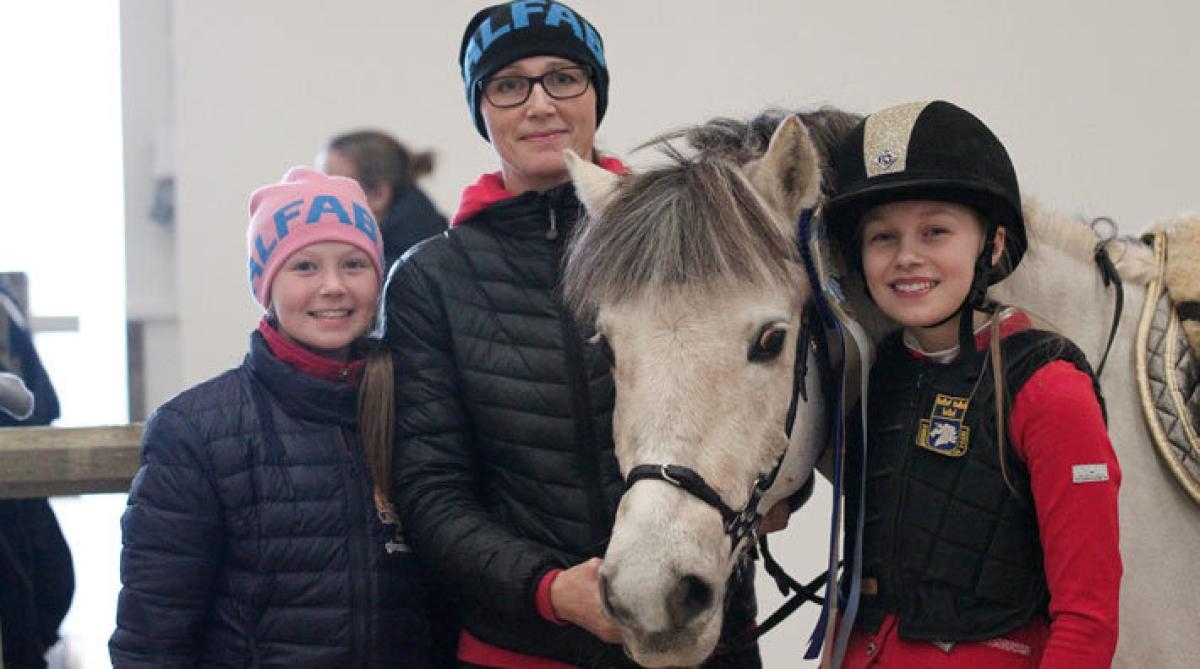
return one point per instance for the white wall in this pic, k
(147, 96)
(1097, 103)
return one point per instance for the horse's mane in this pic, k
(691, 223)
(1071, 235)
(740, 141)
(694, 221)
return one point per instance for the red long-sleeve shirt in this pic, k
(1057, 429)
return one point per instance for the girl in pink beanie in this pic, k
(259, 530)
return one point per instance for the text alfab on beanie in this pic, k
(306, 207)
(502, 34)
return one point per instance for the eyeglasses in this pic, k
(513, 90)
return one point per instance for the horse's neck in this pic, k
(1065, 292)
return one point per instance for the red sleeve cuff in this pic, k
(545, 606)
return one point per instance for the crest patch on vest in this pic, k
(943, 432)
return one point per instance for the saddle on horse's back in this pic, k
(1168, 352)
(1182, 277)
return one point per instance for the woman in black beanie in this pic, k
(508, 484)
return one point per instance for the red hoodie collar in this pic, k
(307, 362)
(489, 190)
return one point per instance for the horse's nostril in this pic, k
(611, 607)
(690, 597)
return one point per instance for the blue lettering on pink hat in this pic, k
(321, 205)
(281, 217)
(305, 208)
(365, 222)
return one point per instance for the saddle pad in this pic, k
(1182, 276)
(1168, 376)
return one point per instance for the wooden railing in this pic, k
(49, 461)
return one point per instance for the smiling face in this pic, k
(324, 297)
(919, 260)
(530, 138)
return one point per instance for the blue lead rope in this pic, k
(847, 626)
(829, 317)
(817, 640)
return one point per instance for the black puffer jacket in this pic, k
(411, 218)
(504, 455)
(251, 537)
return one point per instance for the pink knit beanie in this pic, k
(305, 208)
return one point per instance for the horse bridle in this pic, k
(1111, 277)
(741, 524)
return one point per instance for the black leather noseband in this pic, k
(741, 524)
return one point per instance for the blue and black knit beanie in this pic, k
(502, 34)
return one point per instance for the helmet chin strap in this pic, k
(976, 299)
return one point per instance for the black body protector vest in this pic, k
(946, 545)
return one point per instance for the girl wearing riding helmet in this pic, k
(258, 531)
(990, 522)
(505, 474)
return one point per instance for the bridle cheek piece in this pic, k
(739, 525)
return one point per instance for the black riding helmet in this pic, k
(930, 151)
(926, 151)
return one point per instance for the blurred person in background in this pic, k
(388, 172)
(37, 579)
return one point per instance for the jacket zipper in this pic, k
(552, 232)
(359, 590)
(585, 431)
(587, 451)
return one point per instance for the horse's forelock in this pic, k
(690, 224)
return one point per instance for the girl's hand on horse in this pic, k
(575, 596)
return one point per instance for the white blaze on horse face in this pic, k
(687, 394)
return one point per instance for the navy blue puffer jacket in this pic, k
(251, 537)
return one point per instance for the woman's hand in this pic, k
(575, 596)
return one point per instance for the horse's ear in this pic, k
(594, 184)
(788, 175)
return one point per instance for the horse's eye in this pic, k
(605, 350)
(768, 345)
